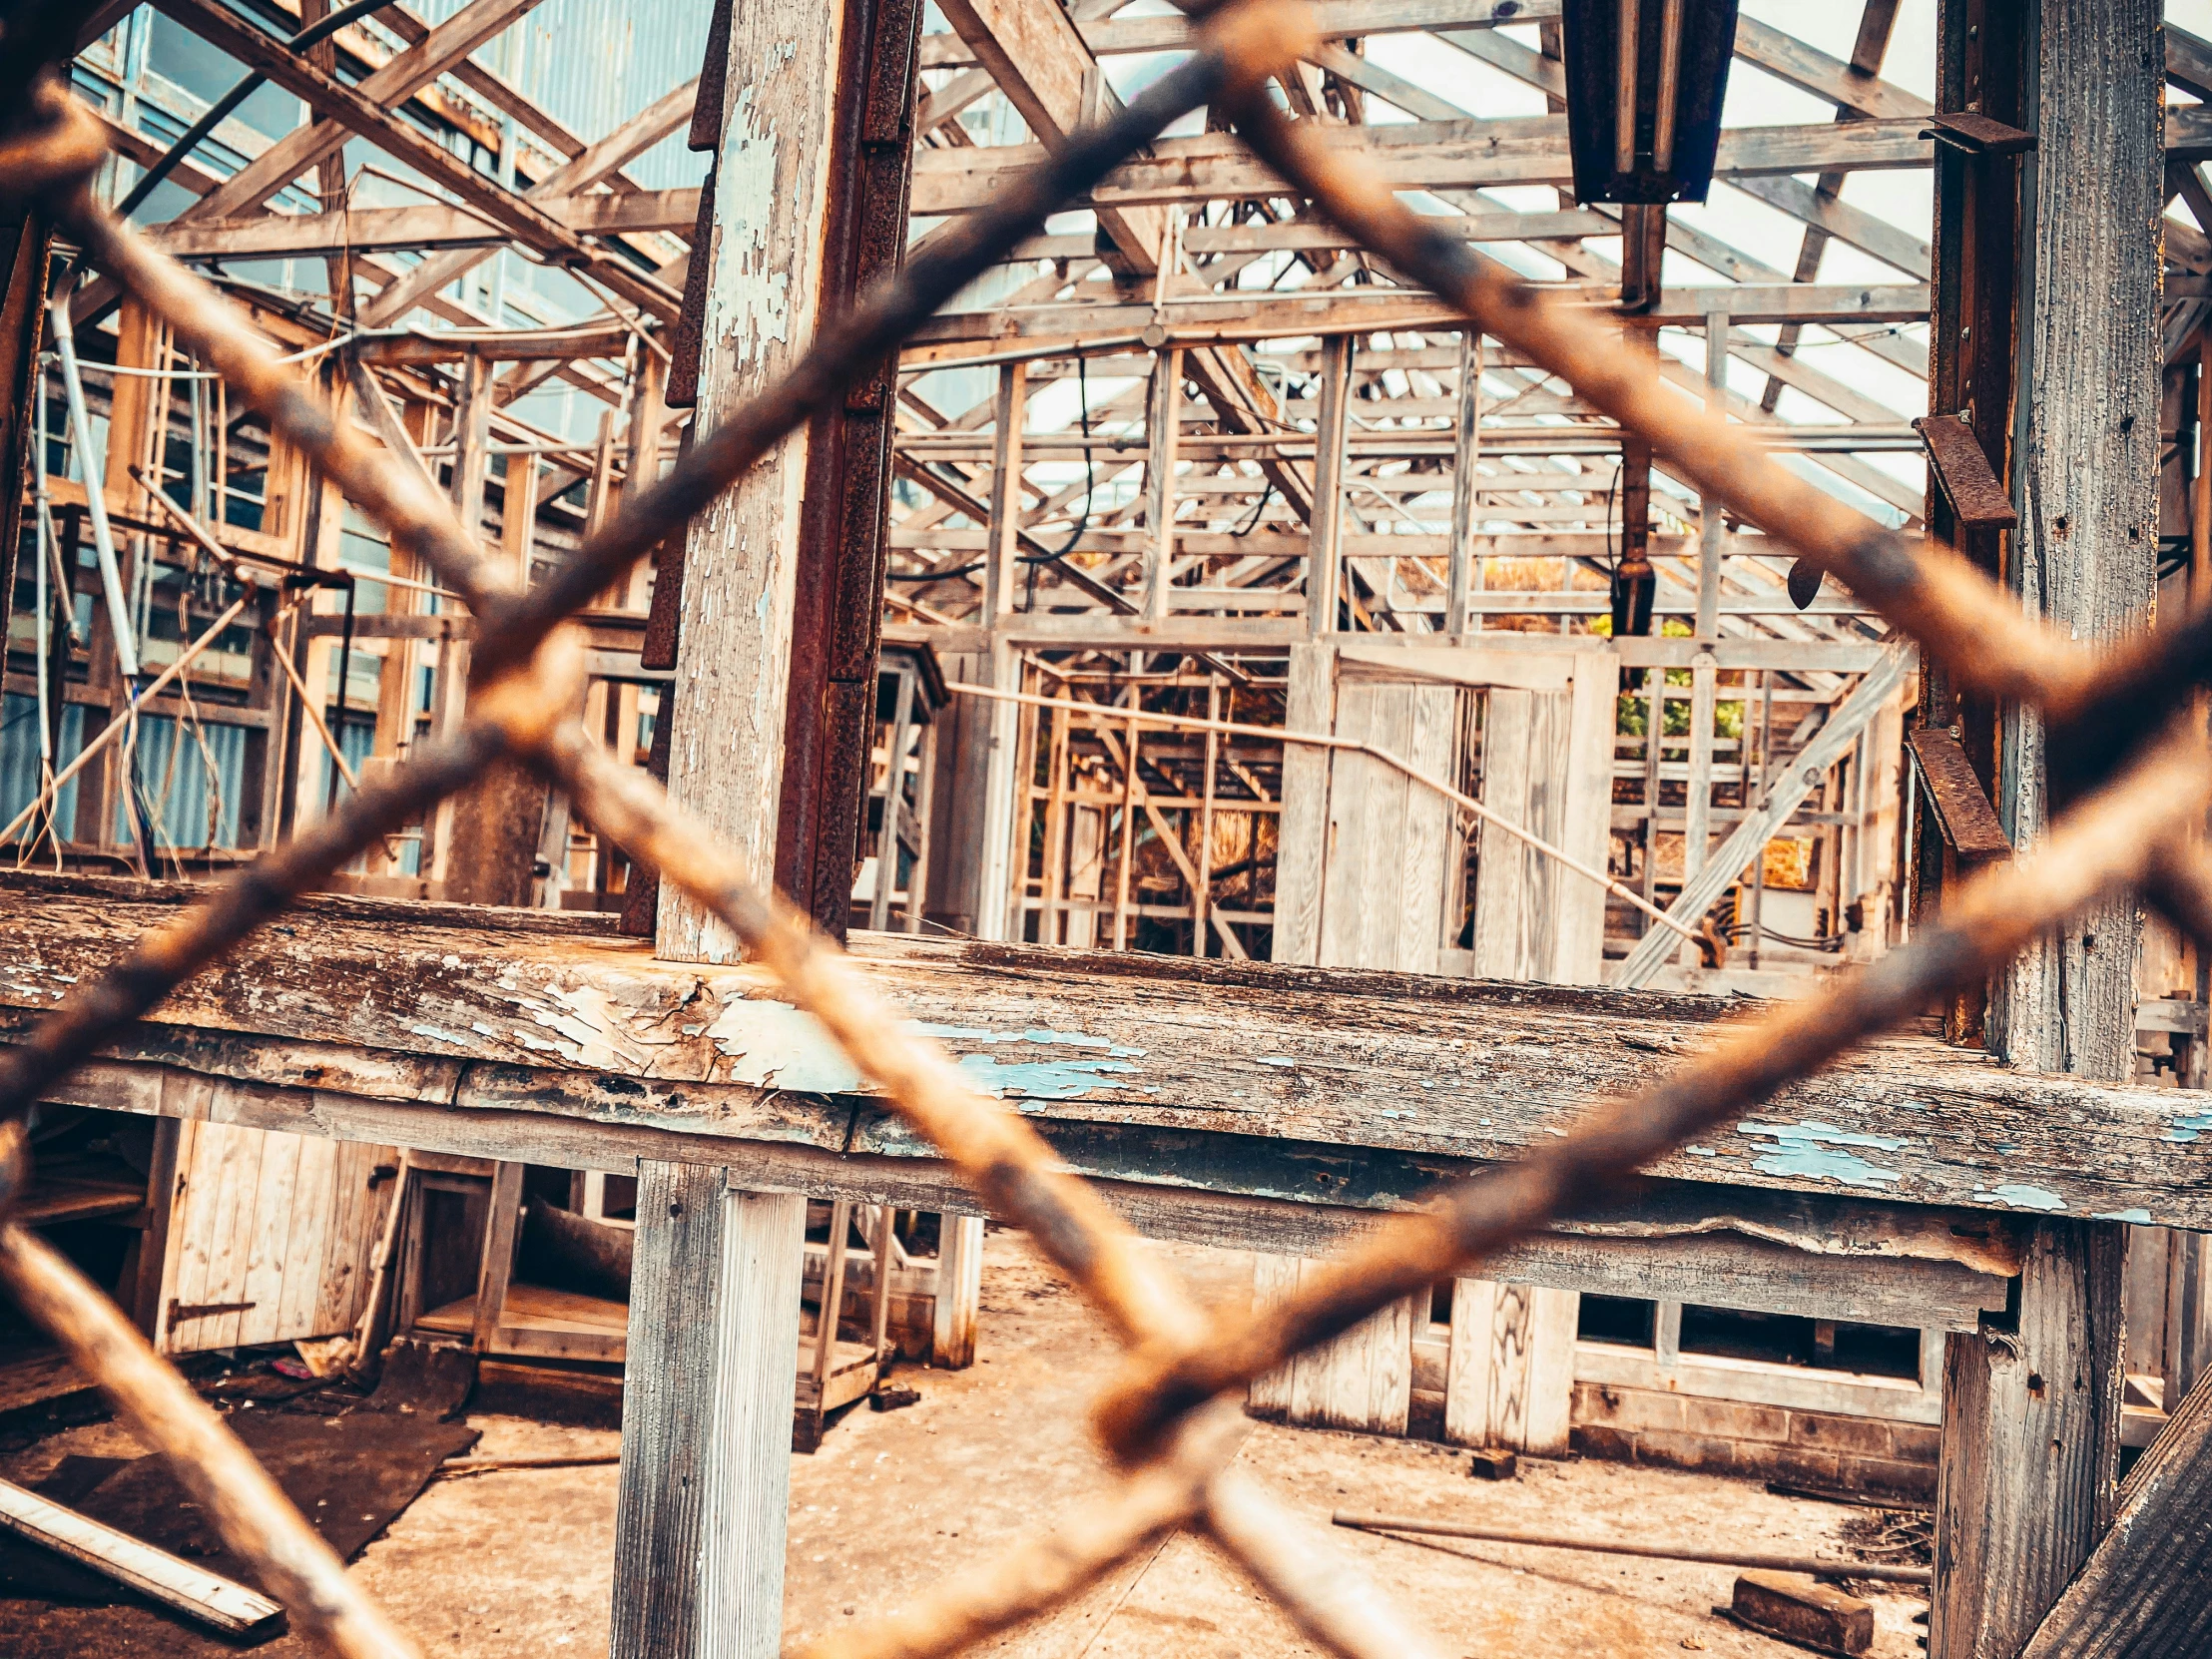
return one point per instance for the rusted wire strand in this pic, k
(2110, 841)
(1053, 1567)
(1168, 1405)
(1007, 1161)
(158, 1407)
(97, 1012)
(1239, 47)
(1980, 633)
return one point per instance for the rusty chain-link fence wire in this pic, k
(2124, 752)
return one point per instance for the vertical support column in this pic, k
(2030, 1444)
(1325, 559)
(763, 295)
(803, 114)
(1009, 410)
(711, 1376)
(1165, 419)
(1712, 520)
(2187, 1350)
(1000, 586)
(1697, 821)
(2085, 554)
(1464, 572)
(473, 441)
(959, 1290)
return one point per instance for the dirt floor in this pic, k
(518, 1563)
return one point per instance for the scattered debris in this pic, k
(1799, 1610)
(1492, 1463)
(892, 1397)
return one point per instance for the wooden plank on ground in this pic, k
(204, 1597)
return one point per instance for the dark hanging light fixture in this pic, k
(1645, 84)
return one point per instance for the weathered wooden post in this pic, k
(2048, 343)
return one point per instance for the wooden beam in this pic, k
(764, 296)
(1331, 20)
(358, 111)
(1838, 219)
(1463, 155)
(1811, 1255)
(588, 166)
(424, 224)
(1291, 314)
(1789, 59)
(2093, 355)
(407, 72)
(206, 1597)
(578, 1029)
(709, 1375)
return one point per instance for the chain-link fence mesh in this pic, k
(2123, 753)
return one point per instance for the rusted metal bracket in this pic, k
(1969, 483)
(1963, 810)
(180, 1312)
(1977, 134)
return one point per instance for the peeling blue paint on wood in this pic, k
(777, 1046)
(1809, 1149)
(1039, 1079)
(984, 1034)
(2141, 1217)
(2016, 1195)
(2187, 1128)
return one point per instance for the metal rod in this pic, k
(127, 717)
(1670, 85)
(1624, 89)
(96, 494)
(1277, 734)
(1816, 1564)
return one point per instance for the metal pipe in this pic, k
(96, 495)
(1276, 734)
(1882, 1571)
(1624, 92)
(1670, 85)
(220, 109)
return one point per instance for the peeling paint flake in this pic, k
(2016, 1195)
(2139, 1216)
(2188, 1128)
(778, 1046)
(1811, 1150)
(1039, 1079)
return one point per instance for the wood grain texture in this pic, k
(751, 1387)
(2030, 1445)
(1301, 849)
(1363, 1380)
(709, 1377)
(2148, 1589)
(2086, 549)
(739, 569)
(1509, 1375)
(1241, 1072)
(959, 1292)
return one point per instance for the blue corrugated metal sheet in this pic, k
(593, 64)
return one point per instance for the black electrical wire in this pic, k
(1246, 528)
(220, 109)
(1032, 560)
